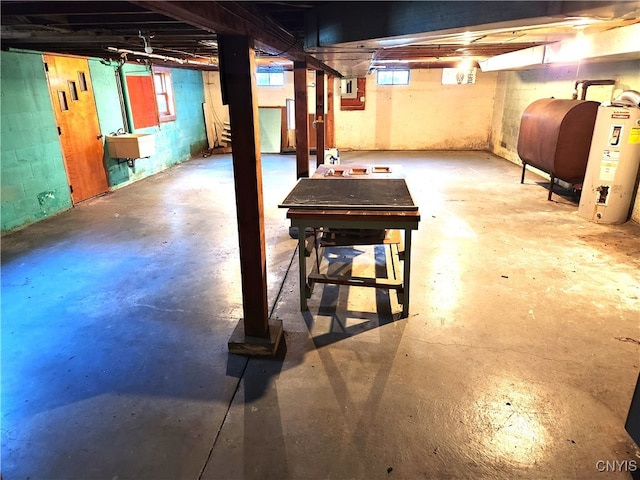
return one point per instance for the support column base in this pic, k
(242, 344)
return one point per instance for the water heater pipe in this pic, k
(586, 84)
(628, 97)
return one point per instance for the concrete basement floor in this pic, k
(518, 360)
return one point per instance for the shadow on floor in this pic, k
(571, 196)
(333, 322)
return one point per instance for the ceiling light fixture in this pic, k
(465, 64)
(147, 42)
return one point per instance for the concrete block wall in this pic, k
(175, 141)
(105, 78)
(276, 96)
(34, 181)
(424, 115)
(187, 135)
(516, 90)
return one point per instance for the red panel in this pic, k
(355, 103)
(142, 99)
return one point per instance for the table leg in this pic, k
(407, 272)
(302, 263)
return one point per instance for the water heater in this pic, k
(612, 169)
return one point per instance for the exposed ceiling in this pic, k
(346, 38)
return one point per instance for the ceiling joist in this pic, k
(343, 38)
(236, 18)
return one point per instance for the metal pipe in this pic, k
(123, 108)
(575, 89)
(586, 84)
(160, 57)
(122, 92)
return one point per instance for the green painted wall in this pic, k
(34, 181)
(190, 130)
(104, 78)
(175, 141)
(33, 177)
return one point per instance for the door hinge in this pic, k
(46, 67)
(71, 188)
(59, 131)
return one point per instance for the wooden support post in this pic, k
(329, 125)
(302, 118)
(253, 335)
(319, 117)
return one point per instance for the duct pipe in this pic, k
(628, 97)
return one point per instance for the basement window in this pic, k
(164, 94)
(269, 77)
(393, 77)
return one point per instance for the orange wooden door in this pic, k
(75, 111)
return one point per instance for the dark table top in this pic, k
(350, 193)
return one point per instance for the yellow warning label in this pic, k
(634, 135)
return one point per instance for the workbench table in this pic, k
(368, 203)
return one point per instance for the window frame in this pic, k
(393, 77)
(166, 84)
(271, 74)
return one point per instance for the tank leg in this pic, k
(551, 187)
(524, 168)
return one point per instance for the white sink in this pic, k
(131, 145)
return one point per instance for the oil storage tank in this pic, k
(555, 137)
(614, 158)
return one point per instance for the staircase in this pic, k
(225, 136)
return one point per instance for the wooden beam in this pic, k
(237, 60)
(319, 117)
(238, 18)
(302, 123)
(329, 121)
